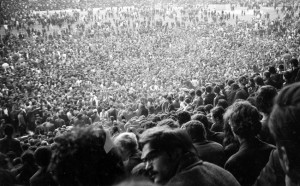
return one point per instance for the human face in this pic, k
(159, 164)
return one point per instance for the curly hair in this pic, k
(83, 158)
(285, 127)
(265, 98)
(244, 119)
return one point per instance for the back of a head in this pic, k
(267, 74)
(198, 92)
(208, 108)
(196, 130)
(294, 62)
(127, 141)
(168, 122)
(43, 156)
(183, 117)
(167, 140)
(244, 119)
(9, 130)
(86, 156)
(285, 127)
(202, 118)
(28, 157)
(259, 80)
(265, 98)
(235, 86)
(218, 113)
(222, 103)
(272, 70)
(208, 89)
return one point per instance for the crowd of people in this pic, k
(148, 95)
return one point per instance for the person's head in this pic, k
(208, 108)
(230, 82)
(272, 70)
(196, 130)
(243, 81)
(222, 103)
(281, 68)
(267, 75)
(87, 154)
(217, 114)
(28, 157)
(234, 86)
(168, 122)
(198, 92)
(127, 144)
(294, 62)
(162, 150)
(287, 76)
(203, 119)
(43, 156)
(183, 117)
(259, 81)
(217, 90)
(208, 89)
(285, 127)
(265, 98)
(244, 119)
(9, 130)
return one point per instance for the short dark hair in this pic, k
(272, 69)
(267, 74)
(217, 89)
(168, 122)
(234, 86)
(196, 130)
(9, 130)
(208, 108)
(222, 103)
(43, 156)
(208, 89)
(183, 117)
(284, 124)
(88, 155)
(218, 113)
(265, 98)
(28, 157)
(167, 140)
(259, 80)
(294, 62)
(245, 119)
(202, 118)
(198, 92)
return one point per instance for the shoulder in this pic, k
(204, 174)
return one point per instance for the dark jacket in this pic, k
(247, 163)
(42, 178)
(209, 99)
(272, 174)
(10, 144)
(192, 171)
(210, 151)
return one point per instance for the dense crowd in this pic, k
(165, 94)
